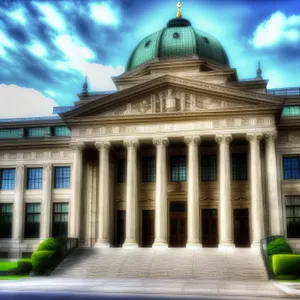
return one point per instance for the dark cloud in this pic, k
(18, 34)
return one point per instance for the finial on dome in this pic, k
(85, 86)
(179, 14)
(258, 72)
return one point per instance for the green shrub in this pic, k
(41, 261)
(50, 244)
(24, 266)
(286, 264)
(279, 246)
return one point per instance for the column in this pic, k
(225, 207)
(256, 188)
(47, 201)
(103, 194)
(18, 208)
(193, 192)
(131, 194)
(161, 199)
(76, 185)
(272, 185)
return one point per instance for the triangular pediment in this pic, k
(171, 94)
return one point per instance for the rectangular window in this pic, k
(178, 168)
(61, 131)
(149, 169)
(7, 179)
(239, 166)
(32, 220)
(121, 171)
(62, 177)
(60, 220)
(291, 167)
(6, 221)
(34, 178)
(293, 221)
(209, 167)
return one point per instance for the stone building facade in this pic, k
(183, 154)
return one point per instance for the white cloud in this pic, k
(51, 16)
(51, 93)
(37, 49)
(102, 13)
(279, 28)
(18, 102)
(18, 15)
(5, 41)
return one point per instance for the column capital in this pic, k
(47, 167)
(271, 136)
(254, 136)
(103, 145)
(161, 141)
(20, 169)
(226, 138)
(131, 143)
(194, 139)
(77, 145)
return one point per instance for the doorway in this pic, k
(210, 227)
(178, 224)
(120, 235)
(241, 227)
(148, 228)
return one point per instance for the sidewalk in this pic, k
(291, 288)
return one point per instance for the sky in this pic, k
(48, 47)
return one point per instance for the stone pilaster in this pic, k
(18, 209)
(225, 207)
(193, 192)
(257, 212)
(103, 194)
(272, 185)
(47, 201)
(131, 194)
(76, 186)
(161, 203)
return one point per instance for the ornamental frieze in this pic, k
(36, 155)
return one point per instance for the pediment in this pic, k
(171, 94)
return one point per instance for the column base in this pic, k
(102, 245)
(132, 245)
(226, 245)
(160, 245)
(255, 245)
(193, 245)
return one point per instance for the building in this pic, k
(183, 154)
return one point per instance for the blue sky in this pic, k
(47, 47)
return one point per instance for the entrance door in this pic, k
(210, 227)
(120, 228)
(178, 224)
(148, 228)
(241, 227)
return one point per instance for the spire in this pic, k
(258, 72)
(85, 86)
(179, 14)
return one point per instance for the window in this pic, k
(293, 221)
(178, 168)
(26, 254)
(205, 39)
(62, 177)
(7, 179)
(32, 220)
(5, 221)
(208, 167)
(34, 178)
(239, 166)
(291, 167)
(60, 219)
(149, 169)
(121, 171)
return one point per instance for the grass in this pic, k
(6, 265)
(13, 277)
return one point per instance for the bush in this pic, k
(41, 261)
(50, 244)
(286, 264)
(279, 246)
(24, 266)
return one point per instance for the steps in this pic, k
(205, 264)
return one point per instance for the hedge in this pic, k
(24, 266)
(286, 264)
(50, 244)
(279, 246)
(41, 261)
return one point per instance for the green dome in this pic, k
(178, 39)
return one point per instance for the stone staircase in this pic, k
(206, 264)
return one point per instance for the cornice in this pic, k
(170, 80)
(30, 123)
